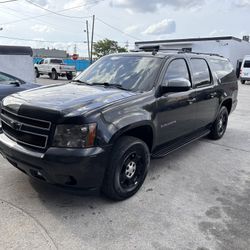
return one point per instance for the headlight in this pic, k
(75, 136)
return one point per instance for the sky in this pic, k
(62, 24)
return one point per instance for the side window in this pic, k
(223, 69)
(41, 62)
(177, 69)
(246, 64)
(46, 61)
(201, 72)
(5, 79)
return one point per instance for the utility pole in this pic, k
(87, 30)
(92, 40)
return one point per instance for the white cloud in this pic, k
(132, 29)
(166, 26)
(154, 5)
(75, 3)
(42, 28)
(242, 3)
(217, 32)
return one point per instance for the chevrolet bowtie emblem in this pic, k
(16, 125)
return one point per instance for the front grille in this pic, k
(25, 130)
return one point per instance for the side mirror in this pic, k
(16, 83)
(176, 85)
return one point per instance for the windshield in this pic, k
(135, 73)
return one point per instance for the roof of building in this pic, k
(15, 50)
(192, 40)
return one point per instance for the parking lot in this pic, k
(196, 198)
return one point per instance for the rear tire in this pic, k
(37, 73)
(220, 125)
(54, 75)
(243, 81)
(69, 76)
(127, 169)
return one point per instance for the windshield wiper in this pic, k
(107, 84)
(79, 81)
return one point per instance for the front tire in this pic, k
(220, 125)
(127, 170)
(37, 73)
(243, 81)
(54, 75)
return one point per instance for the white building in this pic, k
(228, 46)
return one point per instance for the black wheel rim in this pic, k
(132, 171)
(222, 124)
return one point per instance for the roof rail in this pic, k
(200, 53)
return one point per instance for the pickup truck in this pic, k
(101, 130)
(53, 68)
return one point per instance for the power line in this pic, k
(117, 29)
(40, 21)
(50, 11)
(8, 1)
(35, 40)
(34, 17)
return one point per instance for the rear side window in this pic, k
(222, 68)
(177, 69)
(56, 61)
(201, 73)
(246, 64)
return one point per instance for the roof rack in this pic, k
(156, 48)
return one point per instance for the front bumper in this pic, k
(74, 168)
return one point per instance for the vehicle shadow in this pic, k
(53, 196)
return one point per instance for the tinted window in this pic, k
(222, 68)
(247, 64)
(201, 72)
(177, 69)
(56, 61)
(136, 73)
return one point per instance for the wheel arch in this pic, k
(141, 130)
(228, 103)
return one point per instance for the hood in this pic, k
(69, 99)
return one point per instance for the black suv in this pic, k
(101, 130)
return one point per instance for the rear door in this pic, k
(176, 112)
(207, 95)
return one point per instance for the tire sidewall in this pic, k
(54, 75)
(118, 165)
(223, 111)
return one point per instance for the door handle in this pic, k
(213, 95)
(191, 100)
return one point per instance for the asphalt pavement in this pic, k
(196, 198)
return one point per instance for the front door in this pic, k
(176, 114)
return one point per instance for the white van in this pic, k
(245, 70)
(17, 61)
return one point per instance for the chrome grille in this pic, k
(25, 130)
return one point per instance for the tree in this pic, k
(106, 46)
